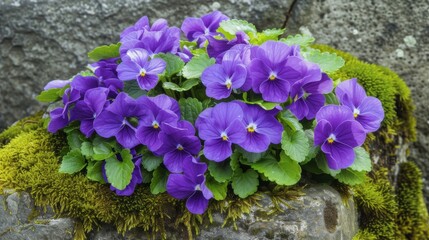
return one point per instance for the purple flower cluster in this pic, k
(339, 129)
(272, 72)
(226, 124)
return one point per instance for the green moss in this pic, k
(412, 218)
(384, 84)
(378, 209)
(24, 125)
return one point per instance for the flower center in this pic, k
(142, 73)
(228, 83)
(356, 112)
(155, 124)
(331, 139)
(179, 147)
(272, 77)
(251, 127)
(198, 188)
(224, 136)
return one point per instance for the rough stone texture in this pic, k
(41, 40)
(17, 220)
(394, 34)
(319, 214)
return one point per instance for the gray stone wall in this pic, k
(41, 40)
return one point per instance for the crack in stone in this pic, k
(289, 13)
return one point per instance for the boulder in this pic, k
(319, 214)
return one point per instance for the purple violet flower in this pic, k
(185, 54)
(89, 108)
(217, 47)
(368, 111)
(338, 133)
(143, 24)
(307, 96)
(163, 41)
(157, 114)
(136, 65)
(200, 28)
(120, 120)
(83, 84)
(221, 129)
(177, 145)
(191, 185)
(56, 84)
(273, 69)
(262, 128)
(221, 79)
(60, 116)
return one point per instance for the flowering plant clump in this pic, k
(228, 106)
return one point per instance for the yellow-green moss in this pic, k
(384, 84)
(23, 125)
(412, 218)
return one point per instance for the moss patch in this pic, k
(412, 218)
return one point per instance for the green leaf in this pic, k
(159, 180)
(94, 172)
(362, 160)
(186, 85)
(283, 172)
(331, 98)
(230, 27)
(119, 173)
(221, 171)
(251, 157)
(87, 149)
(302, 40)
(133, 89)
(50, 95)
(72, 162)
(295, 144)
(218, 189)
(245, 184)
(351, 177)
(268, 34)
(314, 150)
(190, 108)
(75, 139)
(322, 163)
(187, 44)
(151, 162)
(261, 103)
(328, 62)
(174, 63)
(195, 67)
(105, 52)
(102, 149)
(288, 119)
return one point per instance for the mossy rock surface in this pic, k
(30, 159)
